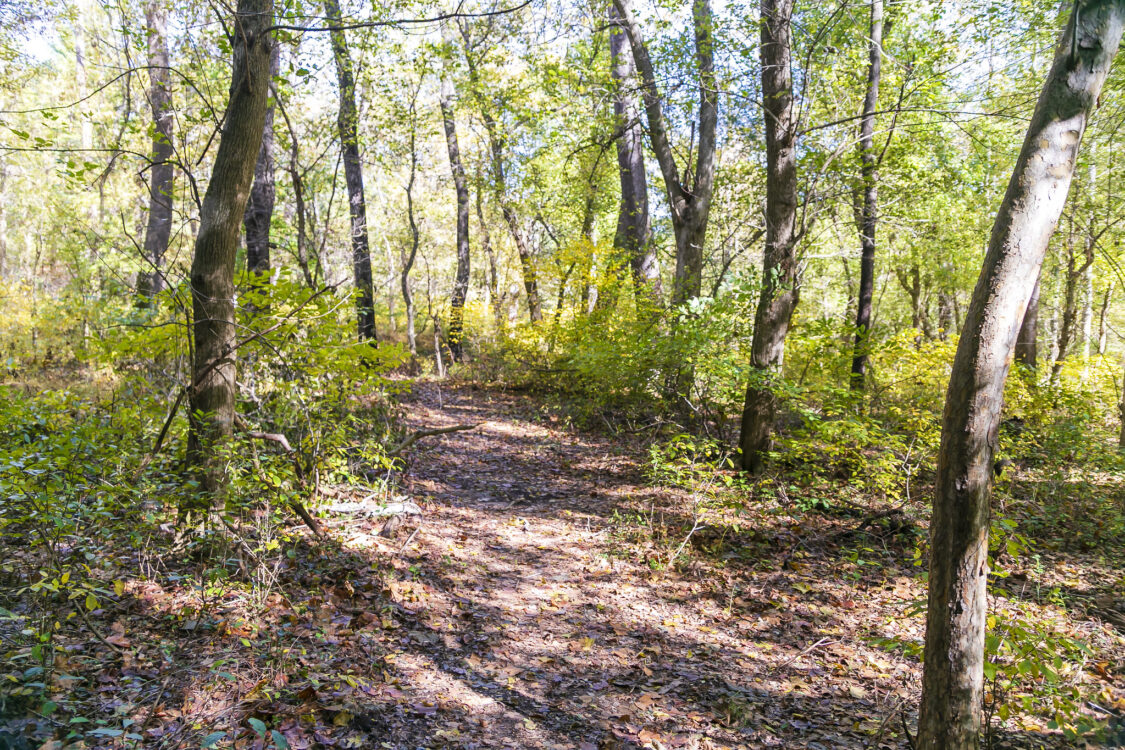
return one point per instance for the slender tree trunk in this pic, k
(1069, 327)
(212, 393)
(1121, 416)
(869, 212)
(408, 257)
(496, 144)
(460, 184)
(3, 221)
(348, 125)
(955, 624)
(689, 198)
(946, 311)
(159, 230)
(780, 272)
(493, 278)
(299, 207)
(1027, 341)
(259, 208)
(912, 283)
(1103, 330)
(634, 229)
(1087, 309)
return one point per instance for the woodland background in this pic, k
(607, 332)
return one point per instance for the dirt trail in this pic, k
(523, 620)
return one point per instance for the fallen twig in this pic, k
(807, 650)
(275, 437)
(409, 539)
(92, 629)
(419, 434)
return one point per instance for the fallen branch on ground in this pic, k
(419, 434)
(275, 437)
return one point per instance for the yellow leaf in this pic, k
(91, 602)
(119, 587)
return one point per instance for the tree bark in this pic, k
(259, 209)
(634, 228)
(299, 207)
(212, 393)
(955, 624)
(1068, 329)
(689, 198)
(1103, 329)
(946, 311)
(493, 278)
(1027, 341)
(780, 280)
(150, 281)
(1121, 416)
(461, 186)
(869, 212)
(409, 256)
(912, 283)
(348, 125)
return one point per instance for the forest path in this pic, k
(527, 619)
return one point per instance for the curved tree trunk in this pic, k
(460, 184)
(634, 229)
(869, 213)
(779, 273)
(259, 209)
(161, 176)
(955, 623)
(212, 393)
(348, 125)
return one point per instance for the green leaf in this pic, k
(279, 740)
(212, 739)
(258, 726)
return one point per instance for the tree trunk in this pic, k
(1121, 416)
(151, 280)
(634, 229)
(348, 125)
(919, 317)
(493, 278)
(461, 280)
(869, 212)
(1075, 272)
(259, 209)
(1027, 341)
(299, 207)
(408, 257)
(1103, 329)
(212, 393)
(780, 272)
(1087, 309)
(955, 623)
(500, 188)
(689, 198)
(947, 306)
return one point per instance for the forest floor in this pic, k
(550, 596)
